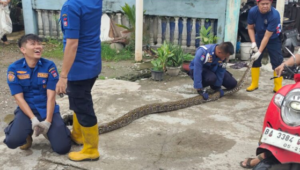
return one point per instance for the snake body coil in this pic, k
(165, 107)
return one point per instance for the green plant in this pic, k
(163, 54)
(206, 36)
(177, 59)
(157, 64)
(129, 12)
(187, 57)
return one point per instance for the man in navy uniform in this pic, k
(264, 29)
(80, 24)
(208, 68)
(32, 81)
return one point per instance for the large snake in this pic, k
(164, 107)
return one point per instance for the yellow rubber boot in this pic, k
(255, 78)
(89, 151)
(28, 143)
(277, 83)
(76, 134)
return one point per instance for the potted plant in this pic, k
(174, 63)
(157, 72)
(187, 58)
(159, 64)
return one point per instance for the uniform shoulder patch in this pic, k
(202, 57)
(11, 76)
(54, 73)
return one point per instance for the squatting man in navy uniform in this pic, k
(208, 68)
(32, 81)
(80, 24)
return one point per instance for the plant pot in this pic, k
(173, 71)
(185, 67)
(157, 75)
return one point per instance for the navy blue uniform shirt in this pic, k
(269, 21)
(205, 58)
(81, 20)
(33, 83)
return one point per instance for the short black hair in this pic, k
(227, 47)
(28, 37)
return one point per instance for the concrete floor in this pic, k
(212, 136)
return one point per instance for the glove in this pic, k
(219, 89)
(45, 125)
(34, 122)
(37, 131)
(254, 47)
(203, 93)
(256, 55)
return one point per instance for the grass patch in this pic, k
(101, 77)
(54, 49)
(109, 54)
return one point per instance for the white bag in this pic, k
(5, 21)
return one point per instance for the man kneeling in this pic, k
(32, 81)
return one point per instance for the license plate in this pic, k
(281, 140)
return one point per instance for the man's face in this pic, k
(264, 6)
(221, 55)
(32, 49)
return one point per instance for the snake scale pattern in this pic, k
(165, 107)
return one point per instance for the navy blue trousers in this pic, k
(274, 50)
(18, 130)
(81, 102)
(209, 78)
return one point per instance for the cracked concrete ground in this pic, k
(211, 136)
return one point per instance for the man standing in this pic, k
(264, 29)
(80, 23)
(208, 68)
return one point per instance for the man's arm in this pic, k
(23, 105)
(289, 62)
(69, 57)
(251, 32)
(198, 67)
(220, 76)
(265, 41)
(50, 105)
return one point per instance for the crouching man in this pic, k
(32, 81)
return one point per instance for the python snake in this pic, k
(164, 107)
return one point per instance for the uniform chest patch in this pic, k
(209, 59)
(23, 76)
(22, 72)
(11, 76)
(43, 75)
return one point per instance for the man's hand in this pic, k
(34, 122)
(279, 69)
(37, 131)
(218, 89)
(256, 55)
(203, 93)
(45, 125)
(61, 86)
(254, 47)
